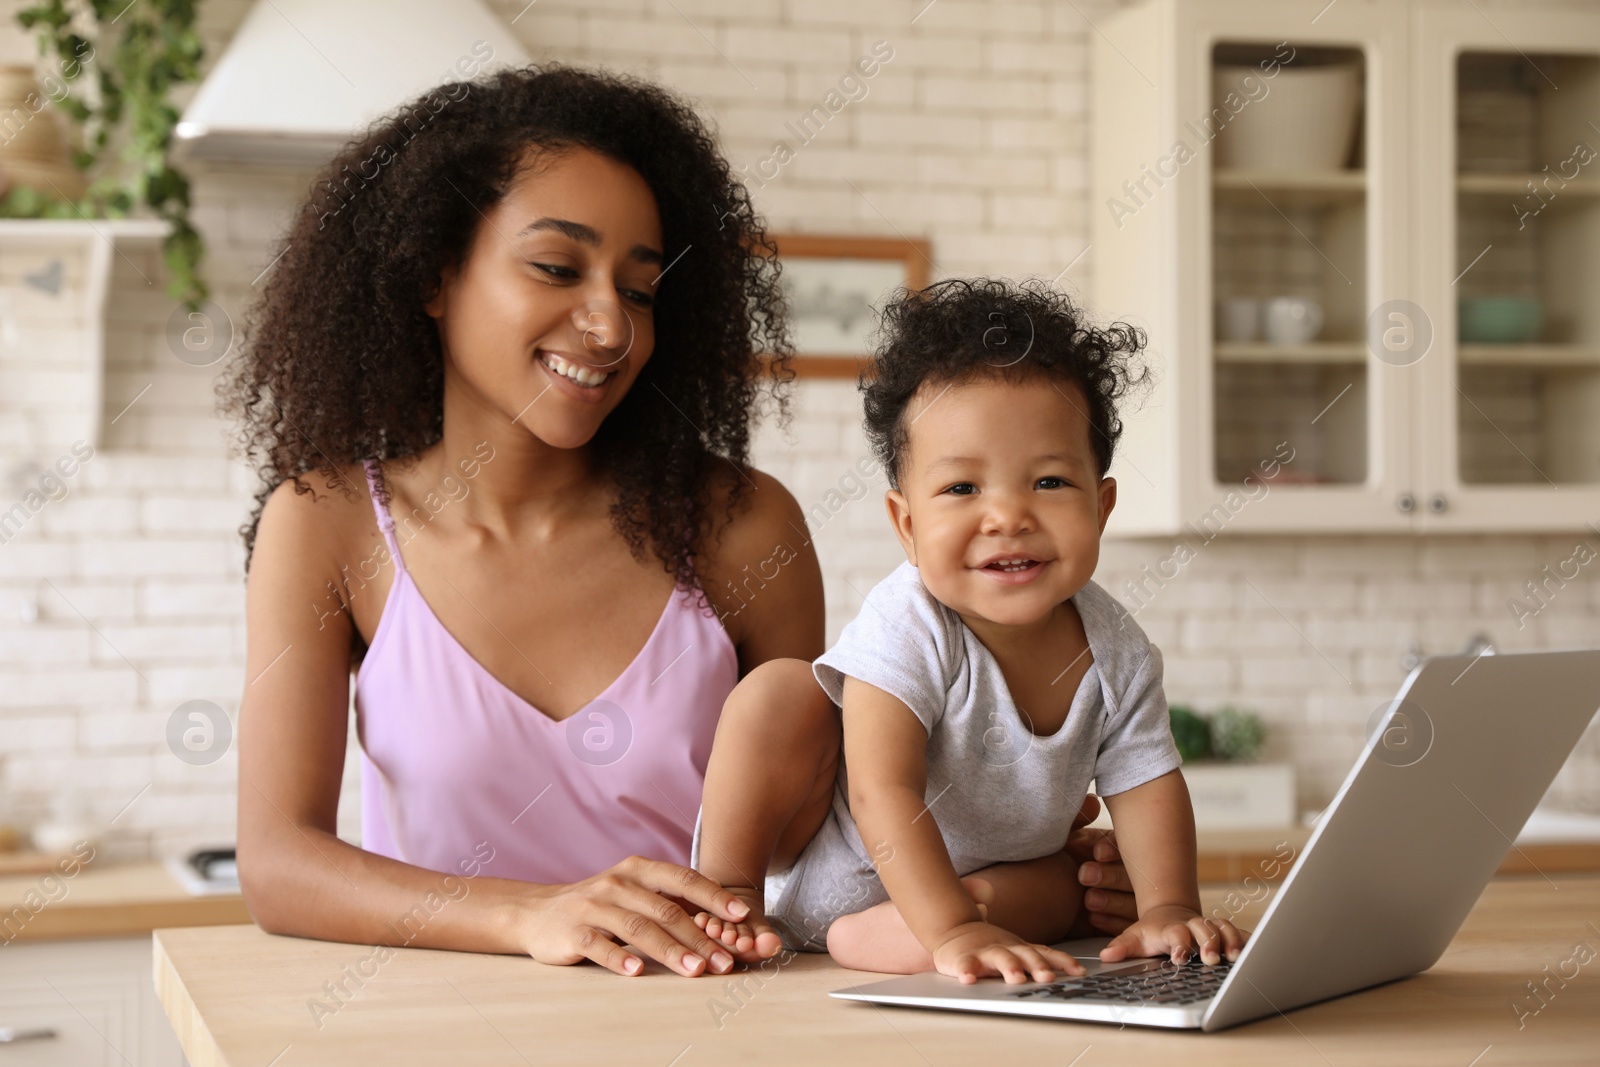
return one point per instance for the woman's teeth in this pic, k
(573, 372)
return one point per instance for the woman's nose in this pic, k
(607, 332)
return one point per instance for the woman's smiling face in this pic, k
(548, 320)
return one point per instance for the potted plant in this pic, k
(139, 53)
(1229, 789)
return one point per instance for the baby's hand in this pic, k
(1178, 931)
(975, 950)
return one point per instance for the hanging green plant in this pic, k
(141, 51)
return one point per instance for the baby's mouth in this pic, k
(1012, 566)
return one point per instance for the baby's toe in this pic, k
(768, 943)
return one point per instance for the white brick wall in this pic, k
(125, 599)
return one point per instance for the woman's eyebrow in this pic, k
(586, 234)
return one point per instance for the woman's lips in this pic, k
(589, 394)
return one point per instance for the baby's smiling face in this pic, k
(991, 471)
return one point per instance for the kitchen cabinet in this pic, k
(1298, 207)
(98, 996)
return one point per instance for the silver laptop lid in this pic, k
(1431, 807)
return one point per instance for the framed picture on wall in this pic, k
(835, 287)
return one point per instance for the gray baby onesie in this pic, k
(998, 791)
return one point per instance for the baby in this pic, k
(981, 687)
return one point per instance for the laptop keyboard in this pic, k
(1162, 982)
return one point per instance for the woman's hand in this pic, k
(1108, 903)
(976, 950)
(639, 901)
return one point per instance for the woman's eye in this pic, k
(642, 299)
(556, 271)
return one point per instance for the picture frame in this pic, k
(835, 286)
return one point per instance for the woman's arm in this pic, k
(299, 878)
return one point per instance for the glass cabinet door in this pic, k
(1514, 234)
(1288, 264)
(1527, 176)
(1252, 161)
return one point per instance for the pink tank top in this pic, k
(459, 774)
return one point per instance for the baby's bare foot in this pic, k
(750, 941)
(878, 938)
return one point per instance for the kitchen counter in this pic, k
(242, 998)
(1561, 847)
(114, 900)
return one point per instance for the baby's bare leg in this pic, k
(878, 939)
(1036, 899)
(769, 784)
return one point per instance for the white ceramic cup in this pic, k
(1291, 320)
(1238, 319)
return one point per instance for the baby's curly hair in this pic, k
(342, 363)
(962, 329)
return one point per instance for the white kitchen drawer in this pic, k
(96, 994)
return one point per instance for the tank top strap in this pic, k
(381, 509)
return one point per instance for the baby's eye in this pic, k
(961, 485)
(1059, 482)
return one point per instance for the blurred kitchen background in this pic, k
(1442, 489)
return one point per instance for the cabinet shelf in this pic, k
(1488, 184)
(1532, 355)
(1313, 352)
(1297, 188)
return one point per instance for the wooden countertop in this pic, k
(121, 899)
(1232, 855)
(113, 900)
(242, 998)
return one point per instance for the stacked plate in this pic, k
(34, 153)
(1497, 130)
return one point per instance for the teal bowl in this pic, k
(1498, 320)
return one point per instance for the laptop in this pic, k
(1457, 763)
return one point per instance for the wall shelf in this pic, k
(97, 241)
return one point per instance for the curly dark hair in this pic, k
(342, 363)
(962, 329)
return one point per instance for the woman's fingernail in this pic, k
(738, 909)
(631, 965)
(1089, 874)
(721, 961)
(1094, 899)
(689, 960)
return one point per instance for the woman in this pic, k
(499, 389)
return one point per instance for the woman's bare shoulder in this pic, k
(758, 565)
(313, 523)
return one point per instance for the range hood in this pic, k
(301, 77)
